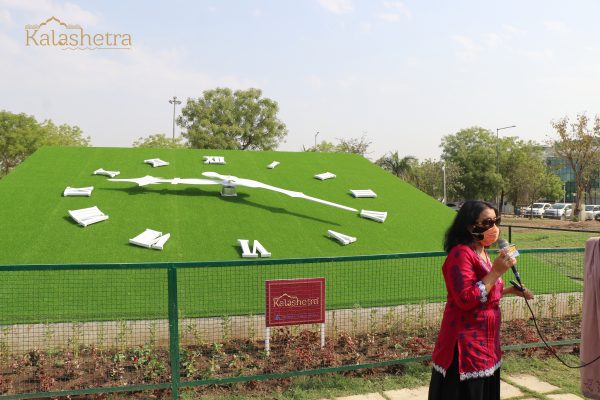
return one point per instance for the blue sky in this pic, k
(403, 73)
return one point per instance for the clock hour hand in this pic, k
(150, 180)
(233, 180)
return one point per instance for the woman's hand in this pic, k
(502, 263)
(526, 293)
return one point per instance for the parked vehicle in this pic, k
(536, 209)
(454, 206)
(597, 217)
(559, 211)
(591, 210)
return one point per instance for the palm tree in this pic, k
(401, 167)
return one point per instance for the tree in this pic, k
(473, 151)
(63, 135)
(428, 176)
(222, 119)
(352, 145)
(578, 145)
(516, 158)
(530, 180)
(160, 141)
(323, 147)
(401, 167)
(21, 135)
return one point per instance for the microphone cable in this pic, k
(522, 290)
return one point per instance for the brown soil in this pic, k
(551, 223)
(55, 370)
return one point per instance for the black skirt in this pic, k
(451, 387)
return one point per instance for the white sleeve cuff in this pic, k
(484, 293)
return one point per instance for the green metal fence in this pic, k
(168, 327)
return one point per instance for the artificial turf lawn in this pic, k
(204, 226)
(86, 295)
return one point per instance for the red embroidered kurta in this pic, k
(471, 319)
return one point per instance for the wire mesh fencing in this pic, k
(78, 329)
(540, 237)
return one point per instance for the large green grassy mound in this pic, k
(36, 227)
(205, 226)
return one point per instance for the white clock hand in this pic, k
(150, 180)
(229, 180)
(233, 180)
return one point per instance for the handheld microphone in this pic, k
(502, 245)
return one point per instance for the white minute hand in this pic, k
(255, 184)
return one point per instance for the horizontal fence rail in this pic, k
(171, 327)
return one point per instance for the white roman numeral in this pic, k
(363, 193)
(214, 160)
(342, 238)
(378, 216)
(246, 253)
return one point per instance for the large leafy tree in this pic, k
(223, 119)
(63, 135)
(528, 179)
(344, 145)
(354, 145)
(323, 147)
(21, 135)
(428, 176)
(473, 151)
(160, 140)
(578, 144)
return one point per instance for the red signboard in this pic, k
(295, 301)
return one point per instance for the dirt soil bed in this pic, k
(53, 370)
(551, 223)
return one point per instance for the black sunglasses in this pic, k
(489, 222)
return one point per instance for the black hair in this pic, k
(459, 232)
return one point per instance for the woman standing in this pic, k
(467, 355)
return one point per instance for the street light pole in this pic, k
(175, 102)
(316, 134)
(444, 200)
(498, 163)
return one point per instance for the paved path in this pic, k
(513, 387)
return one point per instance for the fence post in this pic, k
(173, 331)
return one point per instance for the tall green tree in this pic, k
(323, 147)
(428, 176)
(160, 141)
(473, 151)
(20, 135)
(63, 135)
(354, 145)
(344, 145)
(578, 144)
(529, 179)
(223, 119)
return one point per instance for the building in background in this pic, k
(561, 167)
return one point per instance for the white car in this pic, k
(536, 209)
(559, 211)
(591, 210)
